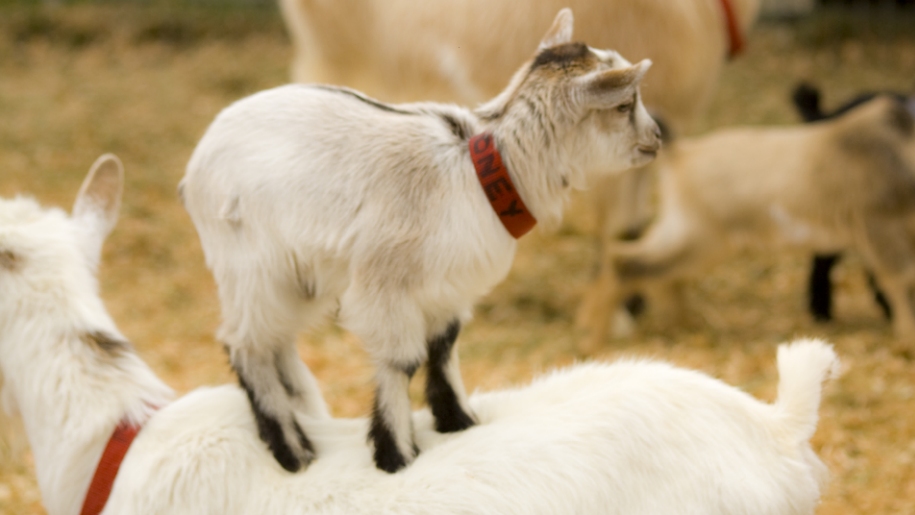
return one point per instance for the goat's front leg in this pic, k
(270, 388)
(444, 387)
(391, 430)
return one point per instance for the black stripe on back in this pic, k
(359, 96)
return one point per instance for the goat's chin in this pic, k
(643, 157)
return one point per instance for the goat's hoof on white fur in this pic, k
(290, 457)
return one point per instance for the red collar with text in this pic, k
(107, 470)
(498, 186)
(735, 38)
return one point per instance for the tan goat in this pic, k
(845, 183)
(402, 50)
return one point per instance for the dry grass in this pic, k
(144, 83)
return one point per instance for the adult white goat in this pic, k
(843, 183)
(310, 198)
(633, 437)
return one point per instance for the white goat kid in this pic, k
(310, 198)
(66, 368)
(633, 437)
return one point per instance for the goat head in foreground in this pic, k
(310, 199)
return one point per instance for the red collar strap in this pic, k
(735, 37)
(498, 186)
(107, 470)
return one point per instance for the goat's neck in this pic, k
(71, 393)
(536, 164)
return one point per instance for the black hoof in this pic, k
(387, 457)
(453, 421)
(271, 432)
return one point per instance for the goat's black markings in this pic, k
(105, 342)
(561, 55)
(387, 457)
(372, 102)
(270, 431)
(820, 301)
(459, 129)
(443, 401)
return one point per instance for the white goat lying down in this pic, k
(310, 199)
(633, 437)
(843, 183)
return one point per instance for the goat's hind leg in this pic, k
(444, 387)
(264, 376)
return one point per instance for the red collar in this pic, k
(735, 37)
(107, 470)
(498, 186)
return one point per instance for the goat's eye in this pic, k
(625, 108)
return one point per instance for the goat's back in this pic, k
(634, 437)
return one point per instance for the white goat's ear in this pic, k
(561, 31)
(605, 89)
(98, 203)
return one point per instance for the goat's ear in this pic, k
(605, 89)
(561, 31)
(98, 203)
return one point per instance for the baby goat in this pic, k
(309, 199)
(807, 101)
(633, 437)
(844, 183)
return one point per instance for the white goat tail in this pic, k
(803, 366)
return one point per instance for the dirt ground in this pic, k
(144, 83)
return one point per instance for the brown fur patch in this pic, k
(105, 343)
(569, 55)
(9, 261)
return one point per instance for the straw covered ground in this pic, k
(144, 82)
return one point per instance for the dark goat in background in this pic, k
(807, 101)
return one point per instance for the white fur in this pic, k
(633, 437)
(308, 199)
(69, 394)
(843, 183)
